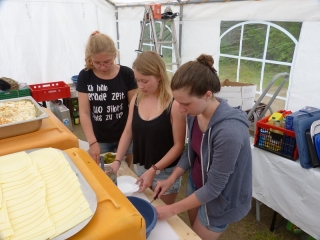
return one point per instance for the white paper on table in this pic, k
(162, 230)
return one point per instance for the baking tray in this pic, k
(87, 191)
(23, 127)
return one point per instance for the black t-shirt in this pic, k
(108, 102)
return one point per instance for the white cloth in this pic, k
(287, 188)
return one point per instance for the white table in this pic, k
(287, 188)
(171, 229)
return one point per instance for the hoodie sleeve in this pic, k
(184, 160)
(225, 146)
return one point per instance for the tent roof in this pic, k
(140, 3)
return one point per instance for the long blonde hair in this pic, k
(149, 63)
(98, 43)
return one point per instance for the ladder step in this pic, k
(148, 40)
(162, 42)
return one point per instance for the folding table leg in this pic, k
(258, 203)
(274, 218)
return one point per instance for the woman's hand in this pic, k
(94, 152)
(115, 166)
(146, 179)
(165, 212)
(162, 187)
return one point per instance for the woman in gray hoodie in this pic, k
(218, 154)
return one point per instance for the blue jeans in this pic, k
(163, 175)
(112, 147)
(202, 216)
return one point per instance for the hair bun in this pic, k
(207, 60)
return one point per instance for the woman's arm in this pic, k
(130, 95)
(167, 211)
(126, 137)
(86, 124)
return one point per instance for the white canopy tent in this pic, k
(44, 40)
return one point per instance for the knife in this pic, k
(156, 196)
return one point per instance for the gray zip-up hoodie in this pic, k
(226, 165)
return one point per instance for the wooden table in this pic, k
(179, 226)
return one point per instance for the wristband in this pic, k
(90, 145)
(117, 161)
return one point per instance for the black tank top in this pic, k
(151, 139)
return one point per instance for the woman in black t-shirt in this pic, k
(105, 91)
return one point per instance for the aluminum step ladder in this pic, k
(251, 113)
(157, 42)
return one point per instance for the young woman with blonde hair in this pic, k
(155, 125)
(105, 91)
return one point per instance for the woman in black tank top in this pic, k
(155, 125)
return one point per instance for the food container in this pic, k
(50, 91)
(23, 127)
(147, 211)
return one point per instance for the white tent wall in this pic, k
(44, 41)
(129, 32)
(305, 85)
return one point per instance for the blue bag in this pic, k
(302, 121)
(317, 144)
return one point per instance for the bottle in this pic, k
(76, 118)
(272, 121)
(278, 124)
(276, 116)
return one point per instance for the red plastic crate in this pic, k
(281, 144)
(50, 91)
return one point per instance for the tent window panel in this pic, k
(269, 71)
(226, 25)
(230, 42)
(167, 35)
(253, 42)
(167, 56)
(280, 46)
(147, 48)
(228, 69)
(250, 72)
(293, 28)
(266, 49)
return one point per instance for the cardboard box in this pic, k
(238, 94)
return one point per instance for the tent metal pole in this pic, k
(180, 28)
(117, 29)
(175, 3)
(112, 3)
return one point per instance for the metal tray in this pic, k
(88, 193)
(23, 127)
